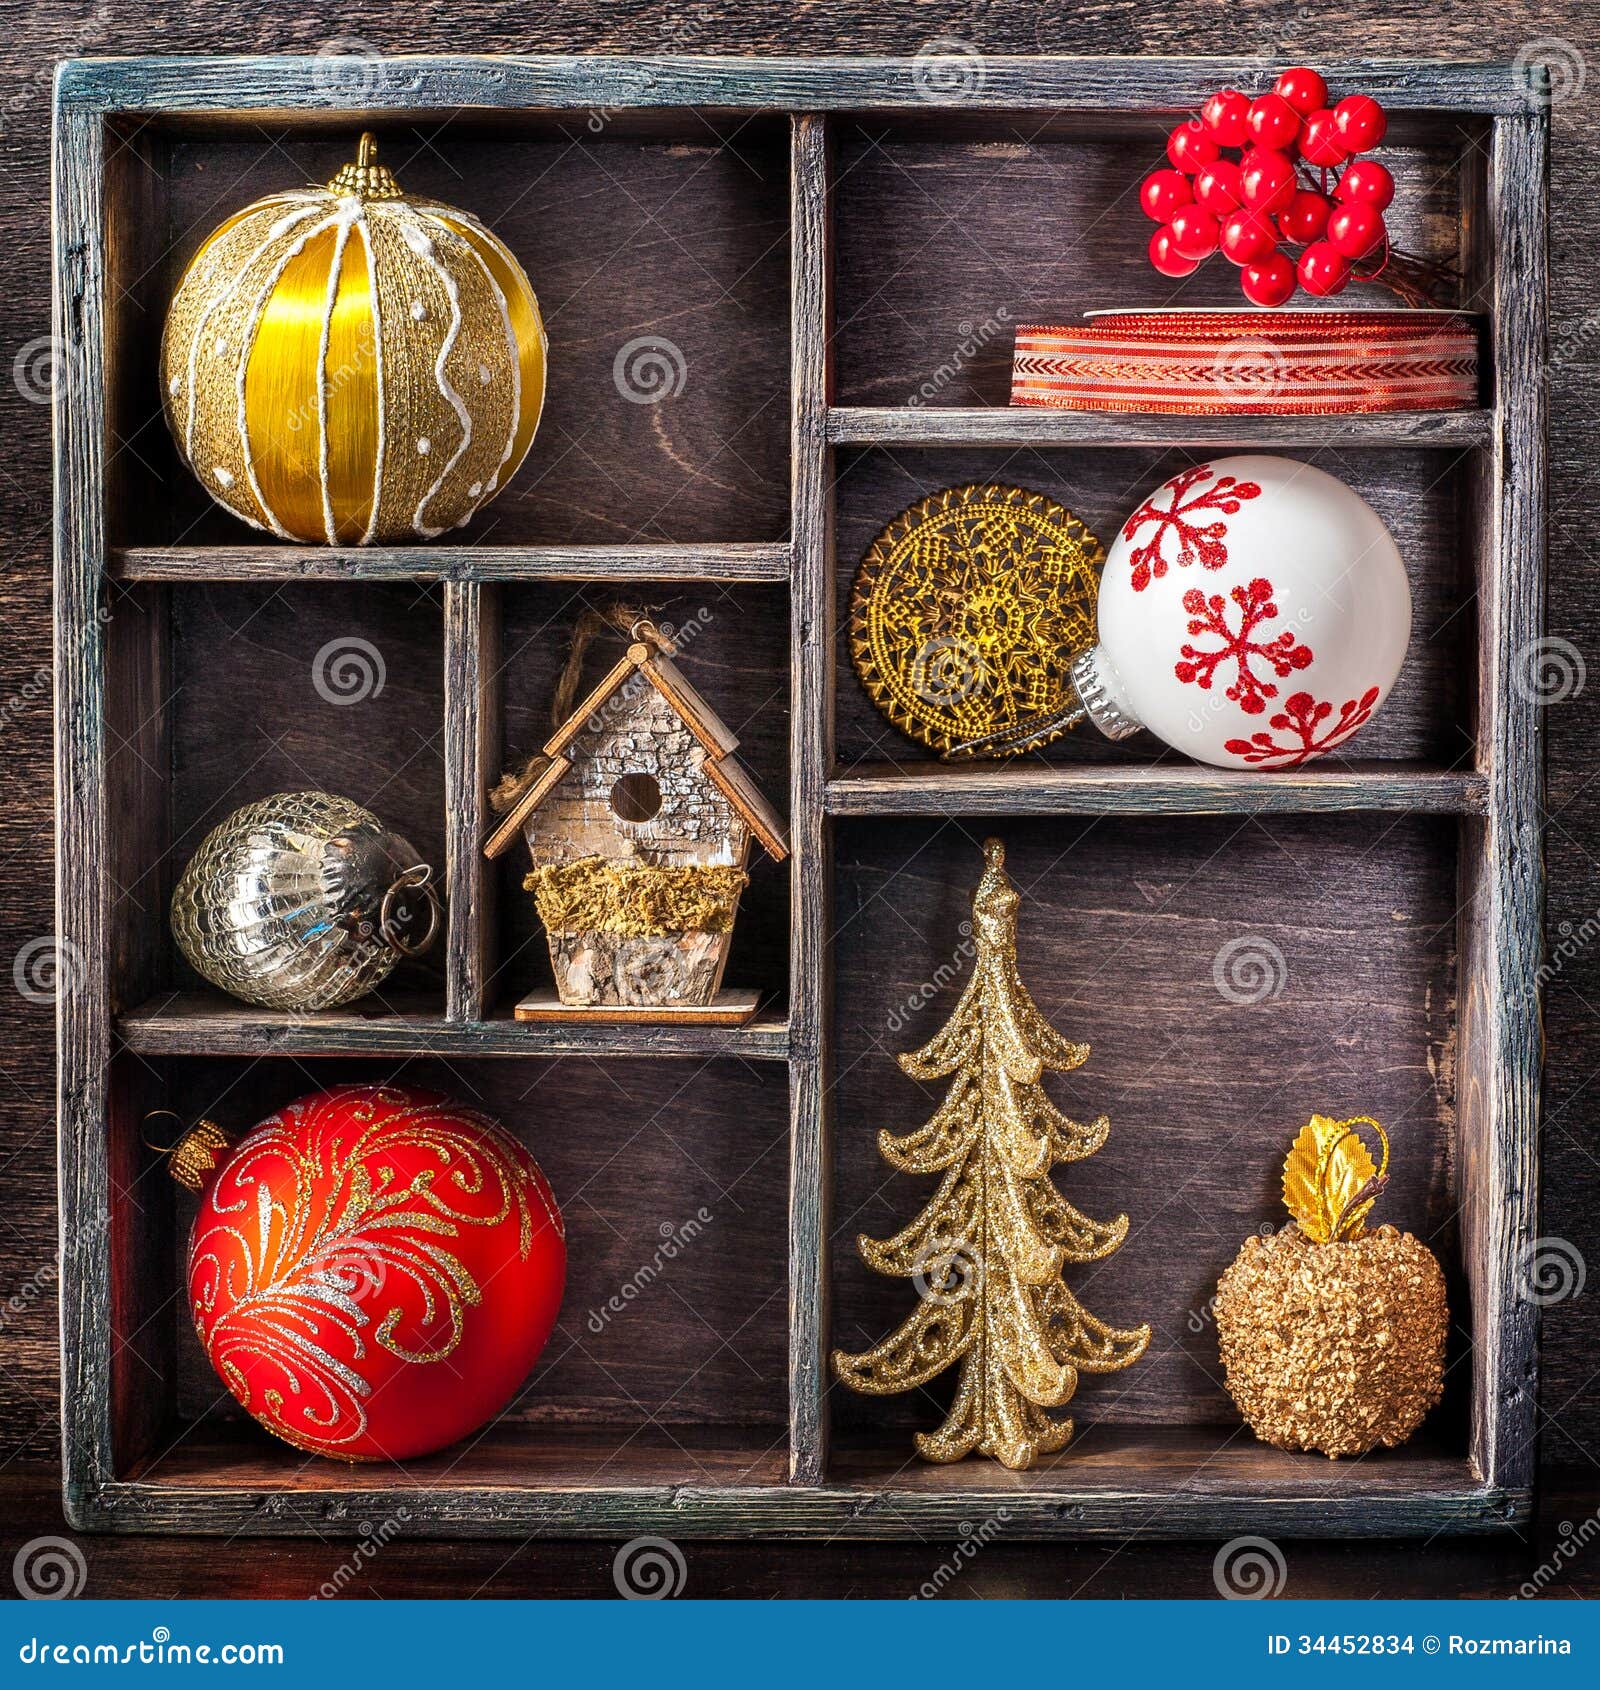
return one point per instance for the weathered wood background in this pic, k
(1282, 30)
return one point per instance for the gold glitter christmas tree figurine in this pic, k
(987, 1252)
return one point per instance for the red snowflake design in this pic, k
(1283, 653)
(1197, 542)
(1303, 717)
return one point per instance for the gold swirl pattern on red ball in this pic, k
(310, 1251)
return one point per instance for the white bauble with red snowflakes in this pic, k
(1253, 613)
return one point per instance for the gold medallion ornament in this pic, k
(352, 365)
(969, 609)
(1333, 1337)
(987, 1253)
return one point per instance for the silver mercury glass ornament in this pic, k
(303, 901)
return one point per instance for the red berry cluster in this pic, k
(1246, 207)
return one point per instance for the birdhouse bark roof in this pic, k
(718, 740)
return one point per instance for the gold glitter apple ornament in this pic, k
(1332, 1336)
(351, 365)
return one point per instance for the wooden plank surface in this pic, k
(811, 928)
(82, 946)
(1000, 424)
(1200, 1482)
(639, 565)
(1172, 788)
(472, 758)
(826, 83)
(1475, 1567)
(206, 1024)
(1502, 889)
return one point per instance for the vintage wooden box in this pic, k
(837, 249)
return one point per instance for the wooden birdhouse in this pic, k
(639, 822)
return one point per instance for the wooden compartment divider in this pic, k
(130, 1027)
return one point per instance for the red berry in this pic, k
(1194, 232)
(1166, 257)
(1266, 179)
(1303, 89)
(1246, 237)
(1216, 187)
(1319, 141)
(1361, 122)
(1162, 192)
(1268, 283)
(1225, 114)
(1304, 217)
(1189, 146)
(1356, 229)
(1273, 122)
(1323, 269)
(1366, 180)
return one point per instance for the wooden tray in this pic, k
(837, 248)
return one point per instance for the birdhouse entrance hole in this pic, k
(636, 797)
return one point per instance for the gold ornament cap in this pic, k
(366, 179)
(193, 1158)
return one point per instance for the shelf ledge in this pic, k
(713, 562)
(198, 1024)
(1182, 790)
(1019, 426)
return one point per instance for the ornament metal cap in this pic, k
(193, 1158)
(1092, 700)
(366, 179)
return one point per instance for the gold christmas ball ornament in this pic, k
(352, 365)
(1332, 1336)
(969, 609)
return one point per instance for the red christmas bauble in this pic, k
(374, 1270)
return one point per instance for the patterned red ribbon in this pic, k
(1291, 363)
